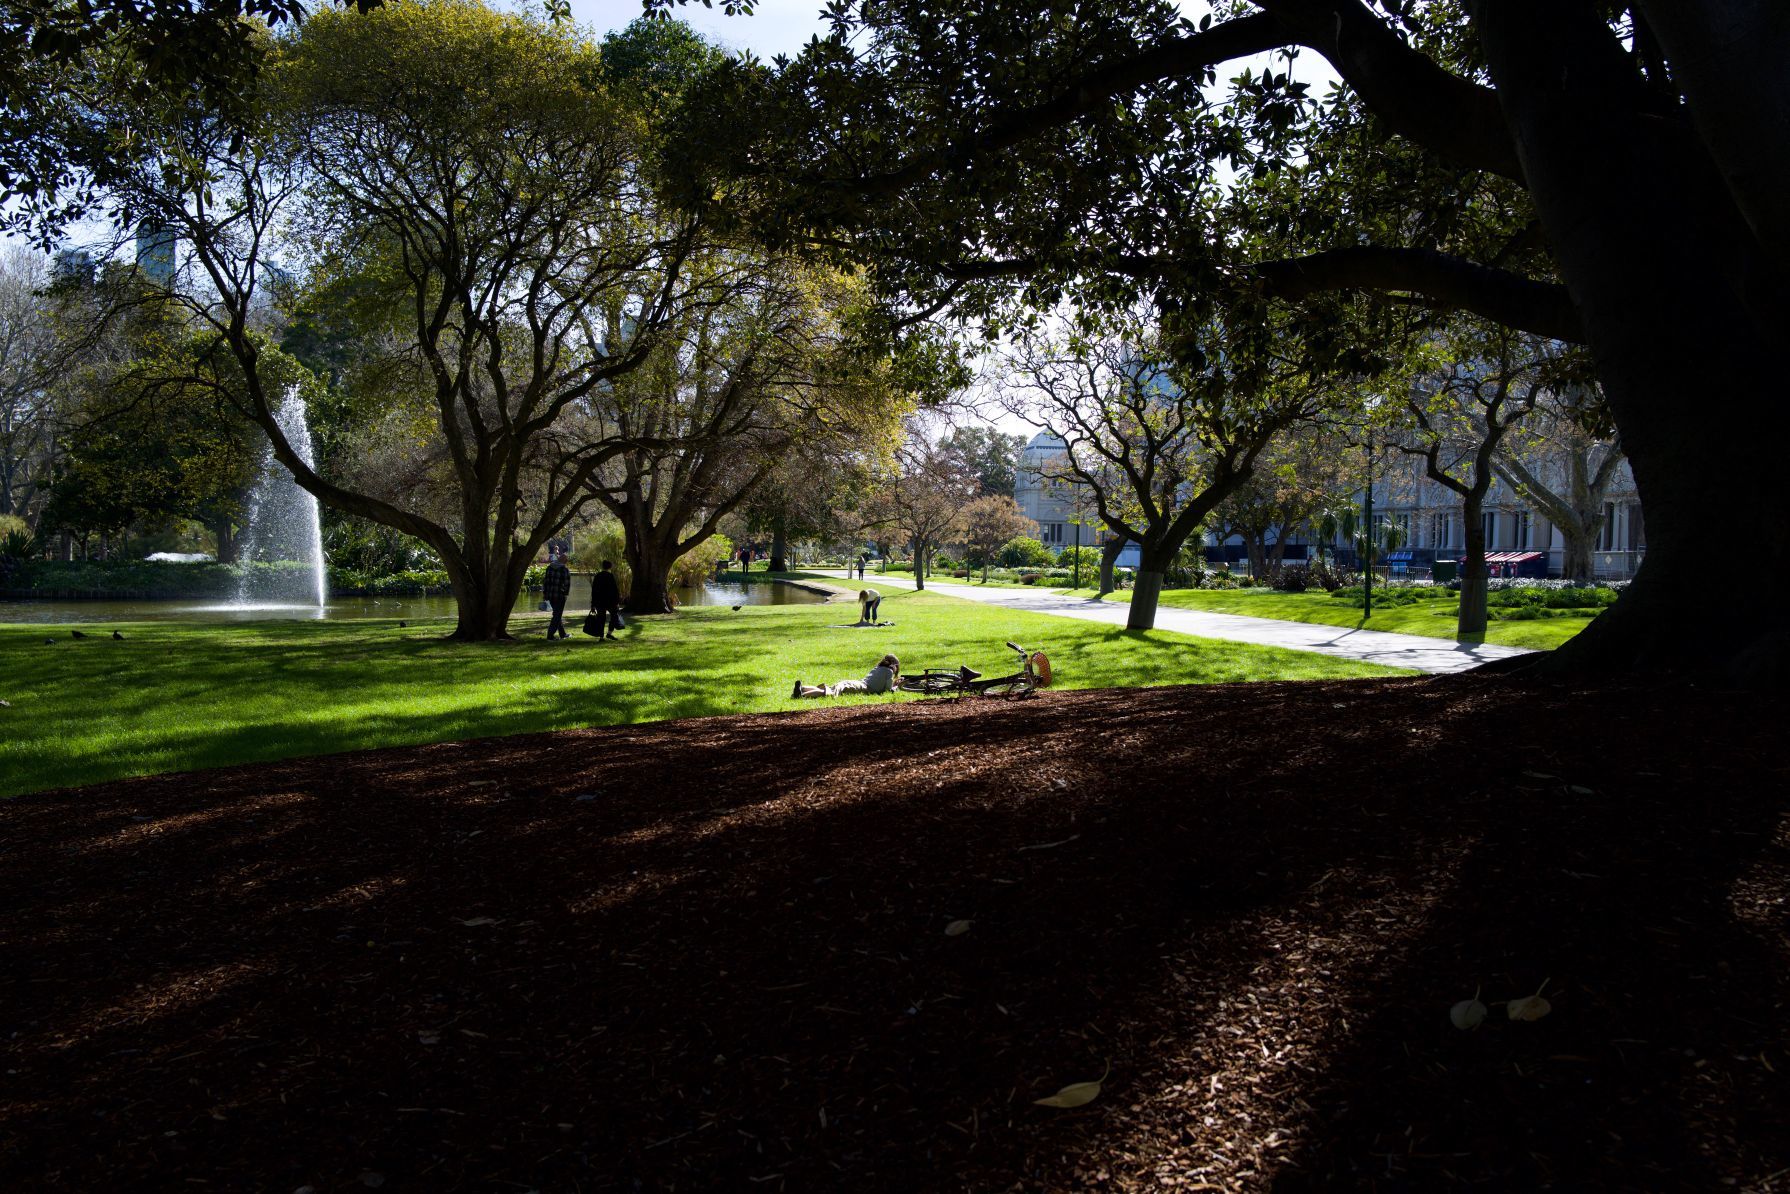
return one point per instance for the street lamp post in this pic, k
(1367, 538)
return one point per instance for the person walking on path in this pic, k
(556, 586)
(605, 599)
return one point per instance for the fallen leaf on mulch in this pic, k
(1076, 1094)
(476, 921)
(1530, 1007)
(1468, 1013)
(957, 928)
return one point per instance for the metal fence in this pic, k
(1616, 565)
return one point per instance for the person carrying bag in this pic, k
(605, 617)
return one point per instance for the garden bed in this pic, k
(849, 948)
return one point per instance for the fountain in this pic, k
(283, 522)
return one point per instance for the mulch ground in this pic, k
(713, 954)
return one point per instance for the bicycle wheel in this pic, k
(1017, 686)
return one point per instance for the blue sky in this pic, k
(776, 27)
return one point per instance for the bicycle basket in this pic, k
(1041, 669)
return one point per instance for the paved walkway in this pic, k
(1374, 646)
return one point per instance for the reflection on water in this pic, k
(190, 610)
(759, 594)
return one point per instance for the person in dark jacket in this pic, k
(556, 586)
(606, 598)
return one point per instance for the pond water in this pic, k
(190, 610)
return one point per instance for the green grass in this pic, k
(181, 696)
(1435, 619)
(942, 578)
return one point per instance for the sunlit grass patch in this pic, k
(180, 696)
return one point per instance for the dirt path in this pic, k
(732, 953)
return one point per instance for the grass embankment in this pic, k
(1433, 618)
(180, 696)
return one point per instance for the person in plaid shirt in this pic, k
(556, 586)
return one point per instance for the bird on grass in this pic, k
(402, 623)
(736, 609)
(117, 636)
(49, 642)
(76, 634)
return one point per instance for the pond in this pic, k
(191, 610)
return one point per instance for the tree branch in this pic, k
(1417, 99)
(1169, 59)
(1514, 301)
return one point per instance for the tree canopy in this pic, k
(1616, 175)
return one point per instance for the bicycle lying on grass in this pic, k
(1033, 674)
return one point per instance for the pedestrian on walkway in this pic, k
(556, 586)
(605, 600)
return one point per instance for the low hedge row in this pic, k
(1512, 600)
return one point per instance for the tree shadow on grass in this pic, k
(184, 701)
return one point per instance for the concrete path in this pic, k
(1374, 646)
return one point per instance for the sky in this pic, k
(776, 27)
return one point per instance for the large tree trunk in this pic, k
(1469, 626)
(649, 589)
(1152, 564)
(1575, 553)
(1256, 544)
(1109, 559)
(484, 593)
(223, 530)
(779, 545)
(1675, 305)
(919, 567)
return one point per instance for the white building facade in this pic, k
(1055, 505)
(1520, 540)
(1429, 519)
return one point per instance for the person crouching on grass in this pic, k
(882, 678)
(869, 603)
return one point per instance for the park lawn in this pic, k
(1044, 586)
(1434, 619)
(974, 582)
(184, 696)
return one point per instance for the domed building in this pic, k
(1052, 502)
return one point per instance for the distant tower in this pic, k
(72, 267)
(155, 253)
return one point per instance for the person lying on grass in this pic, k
(882, 678)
